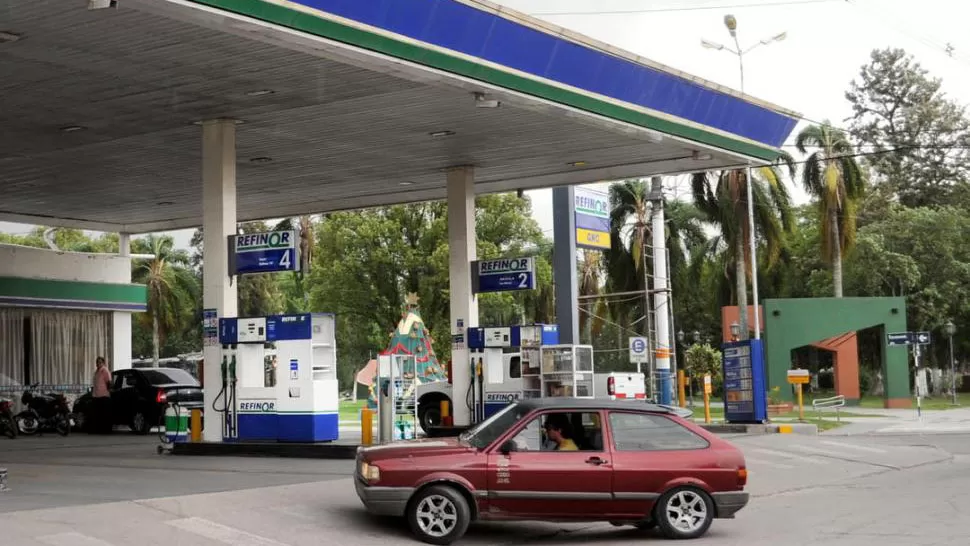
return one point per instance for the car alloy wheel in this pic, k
(439, 515)
(139, 423)
(685, 512)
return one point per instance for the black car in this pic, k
(139, 397)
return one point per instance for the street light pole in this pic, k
(732, 26)
(951, 329)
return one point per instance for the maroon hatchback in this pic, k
(559, 459)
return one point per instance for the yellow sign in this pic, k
(596, 239)
(799, 377)
(707, 384)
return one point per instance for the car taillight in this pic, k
(742, 477)
(611, 386)
(161, 397)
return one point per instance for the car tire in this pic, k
(439, 515)
(140, 423)
(684, 513)
(429, 416)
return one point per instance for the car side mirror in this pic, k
(508, 447)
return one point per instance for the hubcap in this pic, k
(437, 516)
(686, 511)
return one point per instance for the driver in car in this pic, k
(559, 433)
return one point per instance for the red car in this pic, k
(559, 459)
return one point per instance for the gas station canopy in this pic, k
(341, 104)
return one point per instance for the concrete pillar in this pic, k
(462, 246)
(564, 275)
(120, 358)
(218, 222)
(660, 296)
(124, 244)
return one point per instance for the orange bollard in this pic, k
(366, 427)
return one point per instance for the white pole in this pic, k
(754, 257)
(660, 296)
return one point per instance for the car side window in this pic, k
(118, 381)
(561, 431)
(648, 432)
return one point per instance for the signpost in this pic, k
(915, 340)
(503, 275)
(638, 351)
(266, 252)
(799, 378)
(592, 209)
(744, 382)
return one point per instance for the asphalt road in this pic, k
(885, 491)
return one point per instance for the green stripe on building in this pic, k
(325, 28)
(73, 291)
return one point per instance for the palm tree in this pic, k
(171, 288)
(630, 233)
(834, 178)
(721, 197)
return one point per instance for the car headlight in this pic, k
(370, 472)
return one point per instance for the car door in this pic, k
(123, 396)
(650, 451)
(531, 482)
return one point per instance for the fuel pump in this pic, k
(227, 392)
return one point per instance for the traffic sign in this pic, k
(263, 252)
(504, 275)
(908, 338)
(798, 377)
(638, 350)
(898, 338)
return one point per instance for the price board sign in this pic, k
(745, 400)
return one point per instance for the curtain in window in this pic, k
(11, 349)
(65, 345)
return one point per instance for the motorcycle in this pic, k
(44, 412)
(8, 425)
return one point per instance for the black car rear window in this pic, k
(166, 376)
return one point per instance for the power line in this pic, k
(688, 8)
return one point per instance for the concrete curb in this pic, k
(771, 428)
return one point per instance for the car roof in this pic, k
(590, 404)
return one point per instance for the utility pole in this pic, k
(660, 296)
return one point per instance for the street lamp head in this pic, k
(731, 23)
(735, 329)
(680, 336)
(697, 336)
(950, 328)
(711, 45)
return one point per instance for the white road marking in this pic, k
(221, 533)
(852, 446)
(826, 452)
(72, 539)
(766, 463)
(787, 455)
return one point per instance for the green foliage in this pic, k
(919, 139)
(702, 359)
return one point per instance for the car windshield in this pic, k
(482, 435)
(167, 376)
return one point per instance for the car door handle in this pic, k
(596, 461)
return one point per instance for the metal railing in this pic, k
(835, 402)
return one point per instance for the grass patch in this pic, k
(350, 410)
(937, 403)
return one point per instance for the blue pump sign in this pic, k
(263, 252)
(504, 275)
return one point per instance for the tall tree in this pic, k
(722, 199)
(833, 177)
(917, 139)
(170, 285)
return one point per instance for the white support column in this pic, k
(660, 296)
(462, 246)
(120, 358)
(124, 244)
(218, 222)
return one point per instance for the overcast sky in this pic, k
(827, 42)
